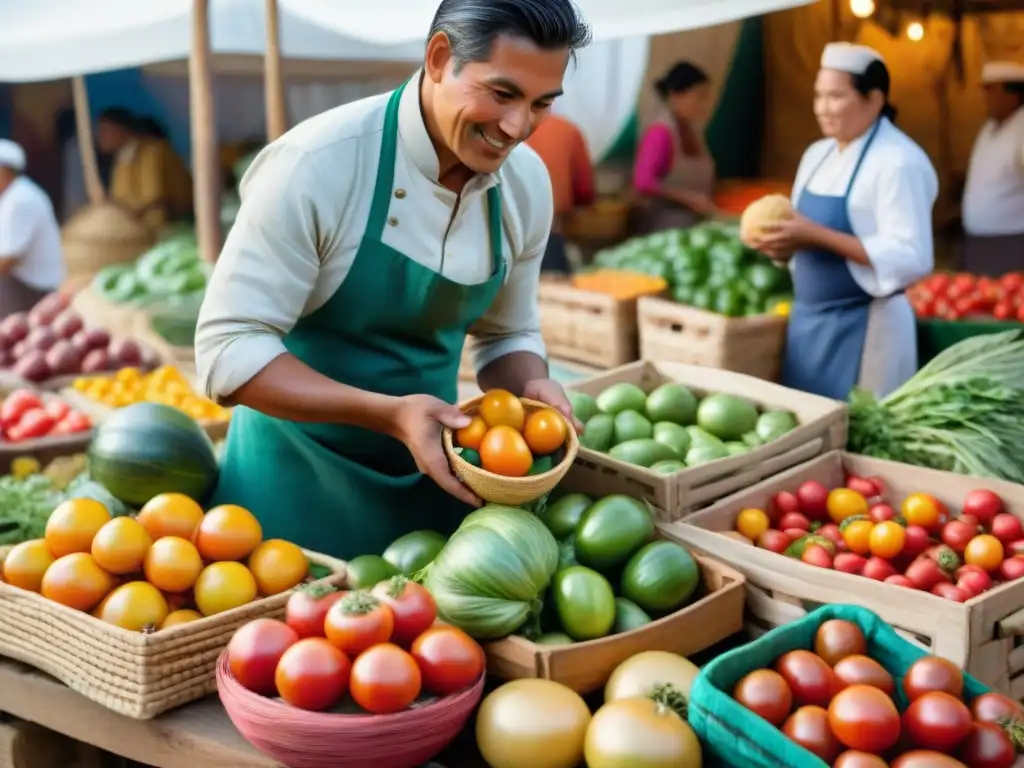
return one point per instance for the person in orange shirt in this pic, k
(564, 151)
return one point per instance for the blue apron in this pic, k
(829, 318)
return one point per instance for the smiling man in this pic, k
(370, 241)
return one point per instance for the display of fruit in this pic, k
(51, 340)
(671, 429)
(838, 703)
(506, 439)
(171, 564)
(27, 415)
(382, 648)
(959, 296)
(166, 385)
(917, 544)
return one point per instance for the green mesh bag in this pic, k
(738, 738)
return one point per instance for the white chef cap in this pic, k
(12, 155)
(850, 58)
(1002, 72)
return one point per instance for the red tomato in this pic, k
(794, 520)
(358, 621)
(313, 675)
(900, 581)
(878, 569)
(925, 573)
(836, 639)
(810, 679)
(1012, 568)
(1002, 310)
(916, 541)
(973, 582)
(57, 409)
(1007, 528)
(848, 562)
(412, 605)
(813, 498)
(765, 693)
(307, 609)
(809, 728)
(988, 746)
(926, 758)
(34, 423)
(1012, 281)
(1020, 313)
(863, 670)
(254, 651)
(956, 533)
(865, 719)
(15, 406)
(879, 513)
(854, 759)
(782, 503)
(774, 541)
(937, 721)
(994, 707)
(385, 679)
(449, 660)
(861, 485)
(930, 673)
(817, 555)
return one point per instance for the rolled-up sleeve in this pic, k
(512, 323)
(266, 272)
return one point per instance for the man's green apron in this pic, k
(393, 327)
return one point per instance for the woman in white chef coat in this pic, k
(861, 234)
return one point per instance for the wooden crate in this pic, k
(676, 333)
(823, 425)
(982, 636)
(43, 449)
(586, 326)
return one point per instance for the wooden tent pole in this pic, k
(86, 146)
(205, 157)
(273, 80)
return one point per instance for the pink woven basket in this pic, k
(302, 739)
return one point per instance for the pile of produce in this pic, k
(172, 268)
(843, 706)
(166, 385)
(963, 412)
(504, 439)
(918, 545)
(619, 284)
(642, 721)
(25, 415)
(672, 429)
(380, 647)
(964, 296)
(51, 340)
(706, 267)
(170, 565)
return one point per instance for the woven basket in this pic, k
(100, 235)
(509, 490)
(302, 739)
(134, 674)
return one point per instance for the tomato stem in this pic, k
(314, 590)
(396, 585)
(668, 696)
(359, 602)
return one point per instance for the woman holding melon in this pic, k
(860, 234)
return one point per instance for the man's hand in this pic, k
(550, 391)
(417, 423)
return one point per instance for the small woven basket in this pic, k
(509, 490)
(302, 739)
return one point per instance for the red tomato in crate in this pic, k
(930, 673)
(1002, 311)
(15, 406)
(810, 679)
(412, 605)
(983, 505)
(766, 693)
(937, 720)
(1012, 281)
(255, 650)
(307, 609)
(449, 660)
(57, 409)
(313, 675)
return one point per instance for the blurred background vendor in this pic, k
(674, 174)
(993, 202)
(861, 234)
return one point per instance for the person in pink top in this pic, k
(674, 174)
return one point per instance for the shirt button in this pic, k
(399, 193)
(392, 221)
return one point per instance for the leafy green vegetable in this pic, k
(84, 487)
(25, 506)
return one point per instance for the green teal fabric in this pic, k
(933, 336)
(393, 327)
(739, 738)
(735, 147)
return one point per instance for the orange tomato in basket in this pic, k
(385, 679)
(73, 524)
(134, 606)
(278, 565)
(26, 563)
(77, 581)
(358, 621)
(223, 586)
(172, 564)
(545, 431)
(121, 545)
(470, 436)
(171, 514)
(312, 674)
(505, 452)
(500, 408)
(181, 616)
(228, 532)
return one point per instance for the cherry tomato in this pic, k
(449, 660)
(988, 746)
(809, 728)
(951, 592)
(782, 503)
(307, 608)
(774, 541)
(843, 503)
(879, 513)
(930, 673)
(863, 670)
(385, 679)
(752, 523)
(470, 436)
(983, 505)
(887, 540)
(545, 431)
(813, 498)
(925, 573)
(853, 759)
(865, 719)
(1007, 528)
(836, 639)
(503, 451)
(937, 721)
(312, 675)
(957, 533)
(412, 605)
(878, 569)
(974, 582)
(985, 551)
(501, 408)
(817, 555)
(847, 562)
(862, 485)
(993, 707)
(794, 520)
(765, 693)
(255, 650)
(357, 621)
(810, 679)
(1012, 568)
(917, 541)
(900, 581)
(857, 535)
(922, 509)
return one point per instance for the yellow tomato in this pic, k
(843, 503)
(921, 509)
(752, 523)
(181, 616)
(857, 535)
(500, 408)
(135, 606)
(984, 551)
(277, 566)
(887, 539)
(223, 586)
(128, 375)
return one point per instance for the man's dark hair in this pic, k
(876, 78)
(472, 25)
(118, 116)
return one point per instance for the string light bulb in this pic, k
(862, 9)
(915, 31)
